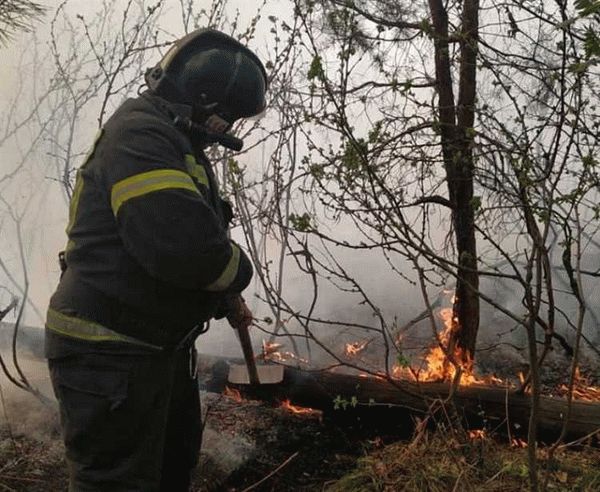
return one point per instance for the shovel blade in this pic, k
(238, 374)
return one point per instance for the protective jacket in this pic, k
(148, 254)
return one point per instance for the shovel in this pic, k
(251, 373)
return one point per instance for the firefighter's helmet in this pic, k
(214, 73)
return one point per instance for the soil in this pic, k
(244, 442)
(251, 445)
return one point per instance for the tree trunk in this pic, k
(498, 408)
(456, 130)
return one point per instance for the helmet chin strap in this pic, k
(201, 132)
(210, 125)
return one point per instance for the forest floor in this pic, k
(250, 445)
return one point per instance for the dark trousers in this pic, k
(130, 422)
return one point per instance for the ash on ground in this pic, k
(243, 443)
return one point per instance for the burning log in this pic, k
(498, 408)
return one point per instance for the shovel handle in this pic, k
(248, 354)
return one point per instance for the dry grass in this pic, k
(438, 463)
(260, 438)
(31, 465)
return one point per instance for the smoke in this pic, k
(393, 299)
(21, 413)
(222, 454)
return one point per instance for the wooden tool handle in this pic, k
(248, 354)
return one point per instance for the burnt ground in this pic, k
(255, 439)
(244, 443)
(315, 449)
(248, 443)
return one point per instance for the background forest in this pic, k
(426, 176)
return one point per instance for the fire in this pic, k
(437, 367)
(515, 442)
(582, 389)
(287, 405)
(355, 348)
(234, 394)
(270, 348)
(271, 351)
(477, 434)
(381, 376)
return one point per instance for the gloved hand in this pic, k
(239, 315)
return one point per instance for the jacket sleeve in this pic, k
(165, 222)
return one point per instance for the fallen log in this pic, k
(493, 407)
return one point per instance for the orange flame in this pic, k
(522, 380)
(271, 352)
(355, 348)
(515, 442)
(582, 389)
(270, 347)
(477, 434)
(234, 394)
(379, 376)
(437, 367)
(287, 405)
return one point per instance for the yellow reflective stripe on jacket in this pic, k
(90, 331)
(196, 170)
(228, 276)
(141, 184)
(73, 205)
(78, 189)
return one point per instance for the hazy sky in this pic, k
(35, 190)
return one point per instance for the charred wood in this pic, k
(496, 408)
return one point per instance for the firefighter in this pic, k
(147, 264)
